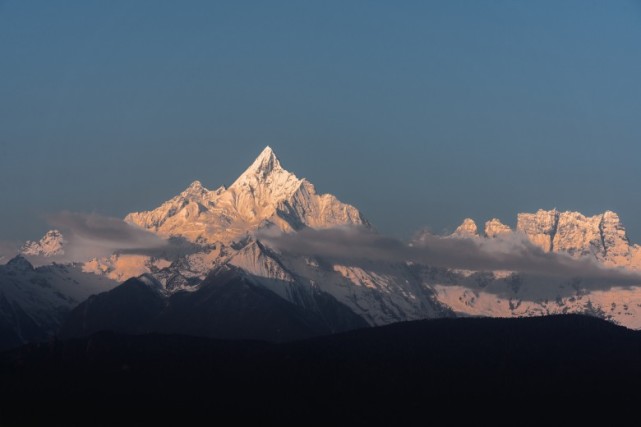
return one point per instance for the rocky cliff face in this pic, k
(601, 236)
(540, 227)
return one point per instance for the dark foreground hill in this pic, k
(229, 304)
(426, 371)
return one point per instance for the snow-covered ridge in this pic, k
(264, 194)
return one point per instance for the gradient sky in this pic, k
(420, 113)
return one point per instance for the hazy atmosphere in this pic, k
(338, 212)
(419, 114)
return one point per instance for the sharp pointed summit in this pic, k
(266, 161)
(266, 169)
(265, 166)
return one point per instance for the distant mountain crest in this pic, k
(51, 244)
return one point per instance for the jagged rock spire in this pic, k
(467, 229)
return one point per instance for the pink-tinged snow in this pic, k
(620, 305)
(120, 267)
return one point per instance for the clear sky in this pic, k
(419, 113)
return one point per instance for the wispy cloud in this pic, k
(110, 233)
(511, 252)
(93, 236)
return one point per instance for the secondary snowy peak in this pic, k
(187, 206)
(495, 227)
(196, 192)
(467, 229)
(264, 194)
(52, 244)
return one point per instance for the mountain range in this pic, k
(233, 283)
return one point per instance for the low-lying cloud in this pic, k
(90, 236)
(508, 252)
(106, 232)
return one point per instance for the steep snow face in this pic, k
(494, 227)
(121, 267)
(52, 244)
(264, 194)
(467, 229)
(540, 227)
(379, 293)
(384, 294)
(579, 235)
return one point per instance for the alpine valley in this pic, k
(234, 284)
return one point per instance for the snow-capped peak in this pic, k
(264, 183)
(265, 193)
(51, 244)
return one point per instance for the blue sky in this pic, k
(420, 113)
